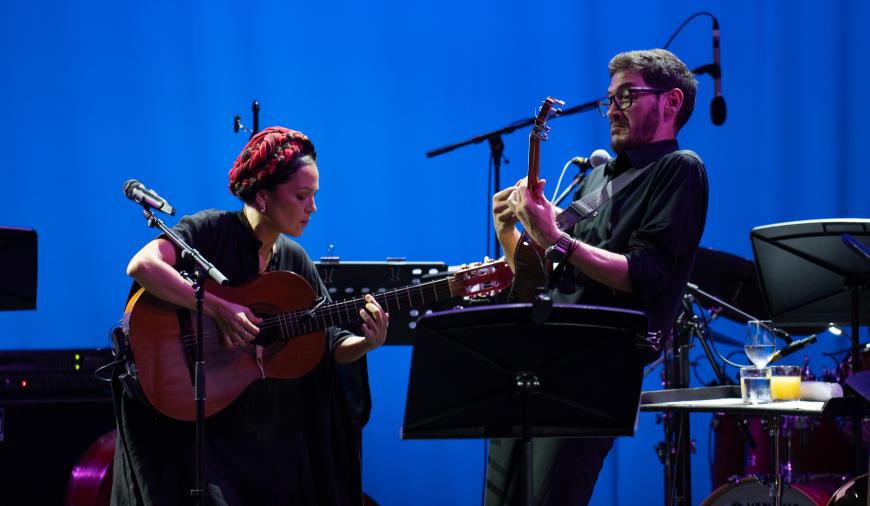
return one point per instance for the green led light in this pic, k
(78, 367)
(78, 357)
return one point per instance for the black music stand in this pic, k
(809, 277)
(523, 371)
(18, 267)
(804, 269)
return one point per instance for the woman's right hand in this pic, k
(237, 323)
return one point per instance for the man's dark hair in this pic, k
(660, 68)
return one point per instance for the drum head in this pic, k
(749, 491)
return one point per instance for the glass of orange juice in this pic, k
(785, 383)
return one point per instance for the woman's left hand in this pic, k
(375, 322)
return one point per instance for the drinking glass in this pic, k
(755, 384)
(760, 344)
(785, 383)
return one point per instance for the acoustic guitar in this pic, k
(162, 336)
(531, 267)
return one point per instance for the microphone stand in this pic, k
(497, 145)
(496, 152)
(571, 187)
(203, 268)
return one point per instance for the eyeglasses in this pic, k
(623, 98)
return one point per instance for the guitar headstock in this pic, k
(549, 107)
(483, 280)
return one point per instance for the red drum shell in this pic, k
(90, 482)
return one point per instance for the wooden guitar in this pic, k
(162, 336)
(531, 268)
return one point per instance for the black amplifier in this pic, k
(52, 408)
(38, 375)
(351, 280)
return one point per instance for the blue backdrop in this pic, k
(95, 93)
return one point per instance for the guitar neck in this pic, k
(534, 162)
(305, 321)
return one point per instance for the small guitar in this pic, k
(162, 336)
(531, 267)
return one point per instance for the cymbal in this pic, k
(730, 278)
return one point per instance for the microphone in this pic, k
(137, 192)
(598, 157)
(793, 347)
(718, 111)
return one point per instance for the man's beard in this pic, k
(638, 135)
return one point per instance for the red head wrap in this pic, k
(270, 154)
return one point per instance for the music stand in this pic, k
(18, 268)
(515, 371)
(803, 267)
(809, 277)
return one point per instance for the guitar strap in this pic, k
(581, 208)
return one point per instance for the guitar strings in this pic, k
(315, 320)
(293, 320)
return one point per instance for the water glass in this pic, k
(755, 384)
(760, 344)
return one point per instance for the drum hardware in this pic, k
(688, 327)
(852, 493)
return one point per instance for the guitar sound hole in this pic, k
(269, 332)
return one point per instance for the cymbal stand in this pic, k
(678, 463)
(775, 481)
(676, 454)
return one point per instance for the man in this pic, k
(635, 252)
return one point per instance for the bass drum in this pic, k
(90, 482)
(853, 493)
(749, 491)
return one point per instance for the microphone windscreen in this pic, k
(599, 157)
(718, 111)
(128, 186)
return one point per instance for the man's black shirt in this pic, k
(656, 222)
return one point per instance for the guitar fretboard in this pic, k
(304, 321)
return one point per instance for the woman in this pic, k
(282, 441)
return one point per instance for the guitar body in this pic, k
(532, 270)
(163, 343)
(291, 342)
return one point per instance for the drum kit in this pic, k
(816, 464)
